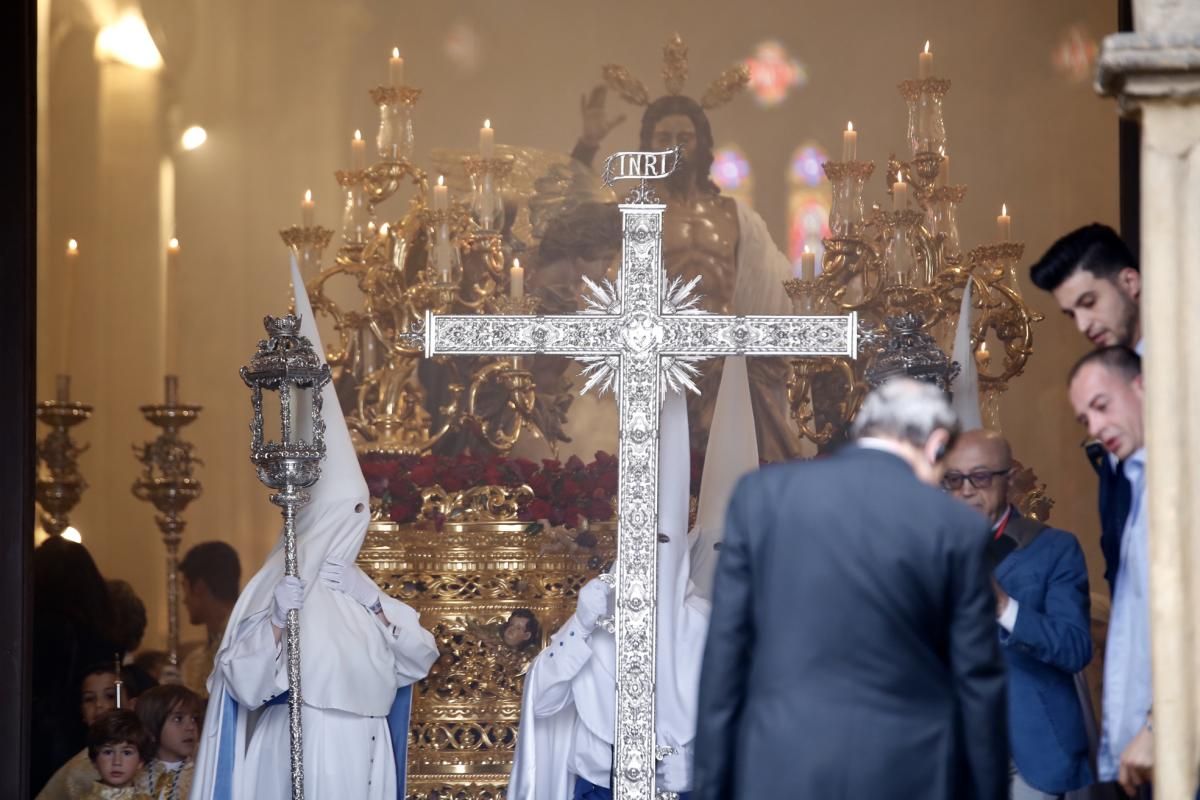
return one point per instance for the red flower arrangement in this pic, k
(563, 493)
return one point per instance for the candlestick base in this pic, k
(60, 485)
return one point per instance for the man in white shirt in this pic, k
(1106, 392)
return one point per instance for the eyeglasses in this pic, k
(980, 478)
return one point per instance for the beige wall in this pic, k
(281, 85)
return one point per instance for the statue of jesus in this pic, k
(719, 239)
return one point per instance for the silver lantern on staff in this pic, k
(287, 453)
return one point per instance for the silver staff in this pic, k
(287, 364)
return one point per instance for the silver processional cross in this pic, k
(639, 338)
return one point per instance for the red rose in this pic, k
(422, 475)
(599, 510)
(524, 467)
(570, 488)
(539, 509)
(573, 463)
(540, 485)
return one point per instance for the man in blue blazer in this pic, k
(1041, 586)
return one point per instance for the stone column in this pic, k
(1155, 75)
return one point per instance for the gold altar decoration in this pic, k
(907, 261)
(441, 255)
(466, 581)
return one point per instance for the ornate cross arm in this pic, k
(599, 335)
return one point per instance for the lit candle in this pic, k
(441, 196)
(808, 264)
(487, 140)
(171, 314)
(516, 280)
(68, 293)
(441, 202)
(849, 143)
(358, 152)
(395, 68)
(307, 209)
(925, 63)
(982, 356)
(1004, 224)
(899, 193)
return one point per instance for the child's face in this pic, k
(117, 763)
(98, 696)
(177, 740)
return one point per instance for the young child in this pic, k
(171, 715)
(117, 744)
(97, 696)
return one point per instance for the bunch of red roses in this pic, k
(563, 493)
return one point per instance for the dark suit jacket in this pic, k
(1116, 497)
(852, 651)
(1050, 642)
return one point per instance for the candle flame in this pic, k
(926, 46)
(383, 229)
(357, 135)
(850, 126)
(395, 52)
(1004, 209)
(72, 246)
(487, 123)
(899, 176)
(806, 250)
(173, 244)
(983, 348)
(516, 263)
(308, 195)
(441, 180)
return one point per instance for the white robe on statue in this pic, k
(568, 710)
(352, 665)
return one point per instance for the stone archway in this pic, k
(1154, 73)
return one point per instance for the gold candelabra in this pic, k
(60, 484)
(167, 482)
(442, 255)
(907, 262)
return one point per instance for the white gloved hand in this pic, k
(593, 603)
(674, 772)
(289, 594)
(343, 576)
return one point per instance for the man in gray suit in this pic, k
(852, 650)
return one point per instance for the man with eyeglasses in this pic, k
(1041, 584)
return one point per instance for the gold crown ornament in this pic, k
(675, 75)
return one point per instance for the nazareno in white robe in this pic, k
(352, 666)
(568, 713)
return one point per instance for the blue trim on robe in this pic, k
(397, 720)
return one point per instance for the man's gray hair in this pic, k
(907, 410)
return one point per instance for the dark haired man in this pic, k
(1096, 281)
(211, 574)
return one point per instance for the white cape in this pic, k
(351, 665)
